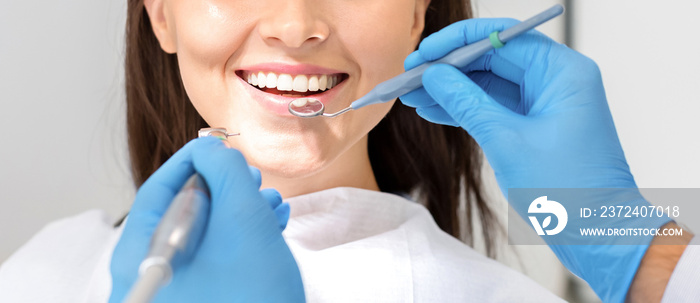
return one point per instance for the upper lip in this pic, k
(294, 69)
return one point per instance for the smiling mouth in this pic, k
(292, 85)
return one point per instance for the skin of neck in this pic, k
(350, 169)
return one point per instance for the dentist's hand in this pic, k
(536, 108)
(539, 112)
(242, 256)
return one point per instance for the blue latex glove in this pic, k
(539, 112)
(242, 256)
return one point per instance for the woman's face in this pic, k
(349, 46)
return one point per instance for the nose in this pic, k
(293, 23)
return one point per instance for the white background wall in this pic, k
(61, 113)
(649, 57)
(61, 100)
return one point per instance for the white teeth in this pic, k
(287, 82)
(284, 82)
(322, 82)
(253, 79)
(271, 80)
(313, 83)
(261, 80)
(300, 102)
(301, 84)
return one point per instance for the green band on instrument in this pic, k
(495, 41)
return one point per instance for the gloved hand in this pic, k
(539, 112)
(242, 256)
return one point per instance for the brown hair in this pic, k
(408, 154)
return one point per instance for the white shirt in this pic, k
(351, 245)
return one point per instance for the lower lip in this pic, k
(279, 105)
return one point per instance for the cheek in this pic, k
(213, 28)
(378, 36)
(208, 33)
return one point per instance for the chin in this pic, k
(288, 166)
(286, 161)
(290, 171)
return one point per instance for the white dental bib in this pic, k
(356, 245)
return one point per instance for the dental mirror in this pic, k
(310, 107)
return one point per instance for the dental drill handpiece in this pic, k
(178, 233)
(177, 236)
